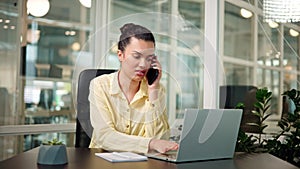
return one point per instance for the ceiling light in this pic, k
(294, 33)
(38, 8)
(273, 24)
(70, 33)
(245, 13)
(86, 3)
(75, 46)
(7, 21)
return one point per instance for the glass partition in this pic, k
(291, 49)
(9, 69)
(291, 58)
(50, 49)
(271, 79)
(268, 43)
(235, 74)
(238, 34)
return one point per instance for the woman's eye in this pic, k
(136, 56)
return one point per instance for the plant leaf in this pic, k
(266, 116)
(258, 105)
(268, 99)
(256, 113)
(263, 127)
(268, 95)
(240, 105)
(266, 108)
(253, 124)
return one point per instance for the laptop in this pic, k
(207, 134)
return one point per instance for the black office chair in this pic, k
(84, 128)
(231, 95)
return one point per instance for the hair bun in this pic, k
(127, 27)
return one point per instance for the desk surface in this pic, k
(83, 158)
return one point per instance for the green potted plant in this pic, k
(251, 143)
(289, 148)
(52, 152)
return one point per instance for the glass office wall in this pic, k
(54, 42)
(235, 74)
(291, 58)
(238, 34)
(269, 56)
(269, 49)
(271, 79)
(38, 55)
(9, 56)
(268, 43)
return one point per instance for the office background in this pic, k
(40, 58)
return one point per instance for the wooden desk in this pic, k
(83, 158)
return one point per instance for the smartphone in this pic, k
(151, 75)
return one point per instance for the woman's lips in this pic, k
(141, 72)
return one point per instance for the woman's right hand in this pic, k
(162, 146)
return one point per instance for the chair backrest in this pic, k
(84, 128)
(231, 95)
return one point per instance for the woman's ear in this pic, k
(121, 55)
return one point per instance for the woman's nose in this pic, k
(142, 63)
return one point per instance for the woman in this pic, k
(127, 113)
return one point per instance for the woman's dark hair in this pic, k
(132, 30)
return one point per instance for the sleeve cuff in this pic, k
(144, 145)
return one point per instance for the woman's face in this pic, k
(136, 58)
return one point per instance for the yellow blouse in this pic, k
(119, 126)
